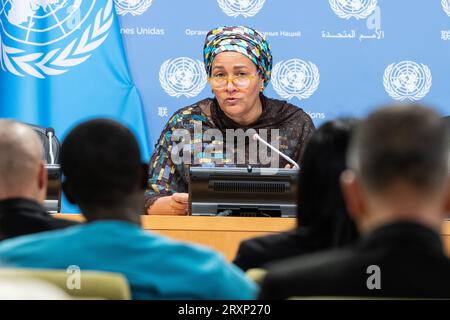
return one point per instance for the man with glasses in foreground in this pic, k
(220, 131)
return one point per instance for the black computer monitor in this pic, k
(52, 201)
(258, 192)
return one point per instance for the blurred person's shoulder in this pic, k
(258, 251)
(28, 245)
(214, 276)
(320, 273)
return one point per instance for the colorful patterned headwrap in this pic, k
(240, 39)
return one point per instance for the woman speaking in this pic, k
(238, 63)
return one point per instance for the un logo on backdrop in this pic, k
(295, 78)
(407, 80)
(27, 24)
(246, 8)
(446, 6)
(359, 9)
(182, 77)
(133, 7)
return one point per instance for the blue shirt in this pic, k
(156, 267)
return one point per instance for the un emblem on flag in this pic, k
(133, 7)
(407, 80)
(295, 78)
(246, 8)
(359, 9)
(446, 6)
(182, 77)
(33, 29)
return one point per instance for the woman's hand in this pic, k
(179, 203)
(176, 204)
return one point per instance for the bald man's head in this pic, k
(22, 172)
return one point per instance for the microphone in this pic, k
(257, 137)
(50, 132)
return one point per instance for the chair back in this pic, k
(257, 275)
(90, 285)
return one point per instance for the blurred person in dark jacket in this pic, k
(323, 221)
(397, 190)
(23, 183)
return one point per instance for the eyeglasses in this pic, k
(241, 80)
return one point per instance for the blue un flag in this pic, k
(62, 62)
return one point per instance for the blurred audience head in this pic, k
(104, 175)
(22, 170)
(399, 161)
(321, 204)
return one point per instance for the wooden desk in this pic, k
(224, 233)
(221, 233)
